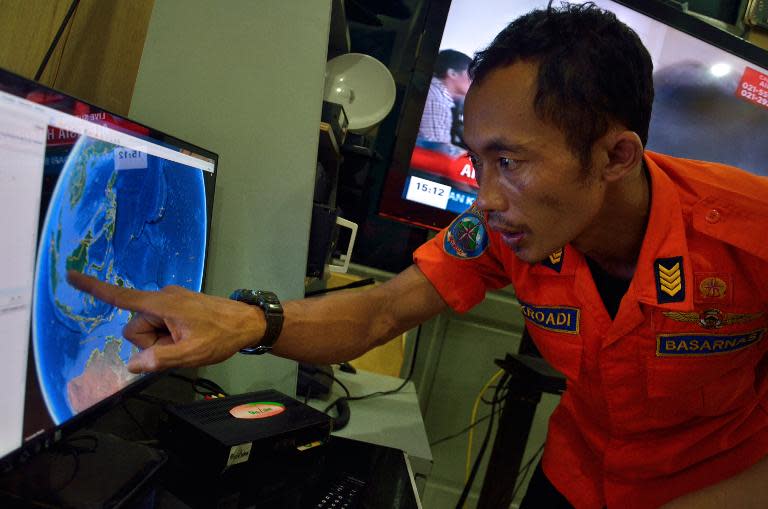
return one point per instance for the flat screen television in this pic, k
(711, 100)
(86, 190)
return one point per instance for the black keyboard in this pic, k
(344, 492)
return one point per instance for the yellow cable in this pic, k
(474, 417)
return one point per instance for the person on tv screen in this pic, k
(642, 277)
(440, 122)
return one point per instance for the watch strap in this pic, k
(273, 315)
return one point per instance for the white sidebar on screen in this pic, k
(23, 134)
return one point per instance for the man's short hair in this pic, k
(593, 70)
(451, 59)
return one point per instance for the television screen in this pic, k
(711, 102)
(84, 190)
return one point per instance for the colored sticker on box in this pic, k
(257, 410)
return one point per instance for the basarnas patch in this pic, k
(467, 235)
(688, 345)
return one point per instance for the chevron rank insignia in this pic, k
(555, 260)
(670, 280)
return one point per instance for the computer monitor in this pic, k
(711, 100)
(86, 190)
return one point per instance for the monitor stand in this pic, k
(86, 469)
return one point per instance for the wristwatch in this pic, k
(273, 314)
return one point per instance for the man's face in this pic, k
(533, 187)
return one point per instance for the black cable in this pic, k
(346, 367)
(488, 401)
(334, 379)
(80, 438)
(135, 421)
(152, 400)
(384, 393)
(495, 400)
(182, 377)
(353, 284)
(459, 433)
(210, 387)
(476, 464)
(501, 397)
(486, 440)
(55, 42)
(69, 448)
(524, 472)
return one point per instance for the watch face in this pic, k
(269, 297)
(269, 302)
(243, 295)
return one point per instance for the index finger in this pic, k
(125, 298)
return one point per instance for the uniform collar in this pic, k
(562, 262)
(664, 245)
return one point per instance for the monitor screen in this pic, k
(84, 190)
(711, 101)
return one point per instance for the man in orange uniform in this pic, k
(642, 277)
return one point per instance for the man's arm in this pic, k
(176, 327)
(343, 325)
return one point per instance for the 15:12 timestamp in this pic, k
(427, 188)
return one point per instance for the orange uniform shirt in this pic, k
(672, 394)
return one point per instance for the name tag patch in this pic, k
(556, 319)
(681, 345)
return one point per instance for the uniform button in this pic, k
(713, 216)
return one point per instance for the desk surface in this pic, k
(143, 479)
(392, 420)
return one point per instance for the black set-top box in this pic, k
(252, 428)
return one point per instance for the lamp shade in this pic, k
(363, 85)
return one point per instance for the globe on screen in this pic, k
(136, 222)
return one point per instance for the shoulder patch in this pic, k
(467, 235)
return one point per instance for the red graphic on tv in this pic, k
(753, 87)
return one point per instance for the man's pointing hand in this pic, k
(175, 327)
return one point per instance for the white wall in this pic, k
(245, 79)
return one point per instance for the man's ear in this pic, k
(624, 152)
